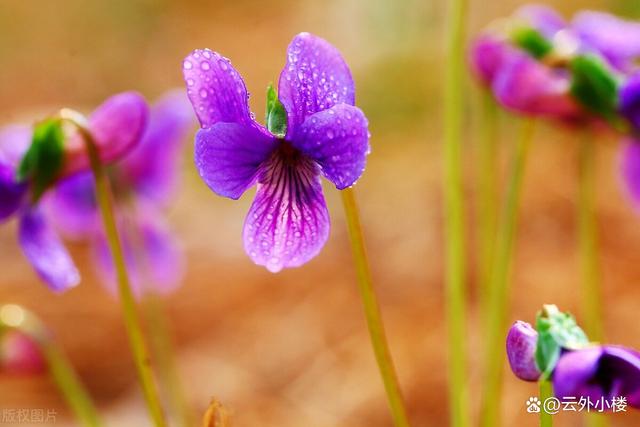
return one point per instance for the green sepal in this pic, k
(530, 40)
(44, 159)
(556, 331)
(594, 86)
(276, 117)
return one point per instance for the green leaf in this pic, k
(556, 331)
(276, 117)
(594, 86)
(532, 41)
(43, 161)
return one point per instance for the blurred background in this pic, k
(292, 349)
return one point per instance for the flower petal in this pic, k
(288, 223)
(487, 55)
(46, 252)
(14, 143)
(528, 86)
(215, 88)
(116, 125)
(338, 139)
(521, 348)
(574, 374)
(621, 367)
(228, 156)
(617, 39)
(542, 18)
(630, 170)
(315, 78)
(11, 192)
(152, 166)
(629, 100)
(72, 206)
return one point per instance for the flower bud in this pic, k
(521, 350)
(20, 355)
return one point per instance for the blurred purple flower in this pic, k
(19, 354)
(288, 222)
(542, 19)
(116, 125)
(143, 182)
(521, 348)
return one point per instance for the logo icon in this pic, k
(533, 405)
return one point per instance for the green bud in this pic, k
(276, 117)
(594, 86)
(532, 42)
(44, 159)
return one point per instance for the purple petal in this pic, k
(530, 87)
(46, 252)
(315, 78)
(542, 18)
(14, 143)
(487, 55)
(11, 192)
(630, 169)
(154, 260)
(617, 39)
(72, 206)
(630, 100)
(228, 156)
(216, 89)
(521, 349)
(116, 125)
(152, 166)
(599, 372)
(338, 139)
(288, 222)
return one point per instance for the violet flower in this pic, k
(288, 222)
(116, 126)
(594, 372)
(143, 183)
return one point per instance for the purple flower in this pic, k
(616, 39)
(599, 372)
(19, 354)
(487, 55)
(116, 125)
(629, 101)
(630, 169)
(143, 182)
(288, 222)
(521, 348)
(541, 18)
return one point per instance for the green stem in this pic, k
(546, 391)
(372, 311)
(588, 241)
(162, 347)
(490, 414)
(17, 318)
(130, 315)
(488, 212)
(454, 215)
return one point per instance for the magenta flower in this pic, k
(19, 354)
(288, 222)
(117, 125)
(143, 182)
(521, 349)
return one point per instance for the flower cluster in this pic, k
(29, 170)
(312, 128)
(559, 350)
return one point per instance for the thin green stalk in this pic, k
(130, 315)
(372, 311)
(163, 349)
(454, 215)
(490, 410)
(488, 191)
(17, 318)
(546, 391)
(588, 241)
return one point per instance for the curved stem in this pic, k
(546, 391)
(19, 319)
(163, 349)
(588, 241)
(130, 315)
(372, 311)
(490, 415)
(454, 216)
(487, 203)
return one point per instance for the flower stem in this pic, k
(588, 241)
(162, 347)
(488, 212)
(490, 415)
(130, 315)
(372, 311)
(454, 215)
(546, 391)
(17, 318)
